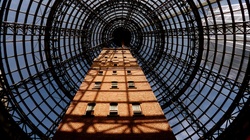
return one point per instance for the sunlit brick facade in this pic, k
(115, 101)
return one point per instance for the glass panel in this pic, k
(136, 109)
(113, 107)
(114, 84)
(90, 107)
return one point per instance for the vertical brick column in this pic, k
(115, 101)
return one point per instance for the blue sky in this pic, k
(44, 90)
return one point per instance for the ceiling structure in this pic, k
(195, 55)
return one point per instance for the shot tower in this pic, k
(115, 101)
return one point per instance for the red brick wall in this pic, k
(151, 125)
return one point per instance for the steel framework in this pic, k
(195, 55)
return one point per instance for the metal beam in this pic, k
(228, 29)
(12, 28)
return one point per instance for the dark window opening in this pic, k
(131, 84)
(137, 109)
(129, 72)
(113, 109)
(114, 84)
(97, 85)
(90, 110)
(100, 72)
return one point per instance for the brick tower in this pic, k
(115, 101)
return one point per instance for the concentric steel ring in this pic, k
(195, 55)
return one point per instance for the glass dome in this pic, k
(195, 55)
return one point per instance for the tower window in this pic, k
(115, 65)
(114, 72)
(131, 84)
(97, 85)
(128, 72)
(115, 57)
(90, 109)
(113, 109)
(114, 84)
(136, 109)
(100, 72)
(102, 63)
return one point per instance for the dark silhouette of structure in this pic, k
(195, 55)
